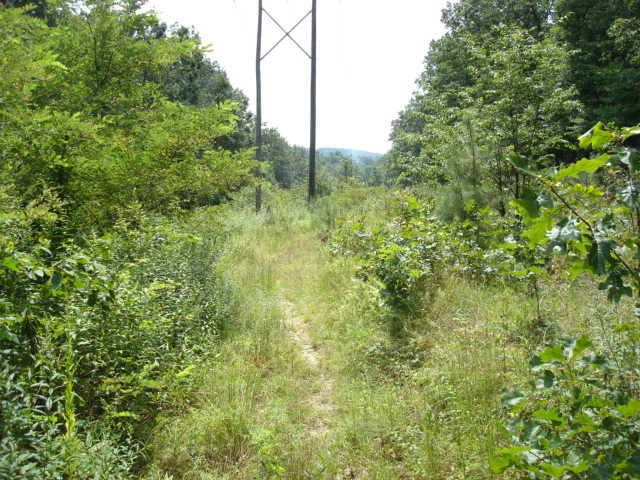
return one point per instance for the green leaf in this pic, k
(630, 131)
(513, 398)
(615, 287)
(630, 409)
(629, 196)
(56, 281)
(536, 363)
(606, 223)
(589, 191)
(582, 343)
(547, 380)
(552, 415)
(512, 450)
(499, 463)
(584, 165)
(596, 137)
(584, 419)
(527, 205)
(596, 360)
(10, 263)
(600, 253)
(553, 354)
(521, 163)
(152, 384)
(630, 157)
(566, 231)
(518, 161)
(545, 200)
(581, 467)
(537, 230)
(554, 471)
(10, 336)
(578, 265)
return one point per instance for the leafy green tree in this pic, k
(480, 16)
(93, 327)
(500, 65)
(194, 79)
(580, 418)
(110, 51)
(601, 37)
(421, 133)
(85, 117)
(288, 163)
(528, 104)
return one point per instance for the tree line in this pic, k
(515, 76)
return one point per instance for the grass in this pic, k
(424, 404)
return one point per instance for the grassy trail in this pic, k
(320, 399)
(292, 260)
(266, 406)
(310, 384)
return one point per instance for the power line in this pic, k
(242, 20)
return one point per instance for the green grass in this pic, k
(422, 404)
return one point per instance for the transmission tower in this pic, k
(312, 57)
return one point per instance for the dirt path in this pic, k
(319, 400)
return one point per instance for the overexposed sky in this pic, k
(370, 53)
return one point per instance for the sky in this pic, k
(370, 52)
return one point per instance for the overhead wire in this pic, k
(241, 16)
(342, 41)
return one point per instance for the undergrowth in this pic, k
(413, 395)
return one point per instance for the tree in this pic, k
(601, 37)
(288, 163)
(84, 117)
(528, 104)
(500, 66)
(480, 16)
(194, 79)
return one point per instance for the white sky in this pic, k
(370, 53)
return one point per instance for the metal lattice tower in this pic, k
(312, 57)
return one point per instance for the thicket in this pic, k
(500, 190)
(114, 130)
(580, 416)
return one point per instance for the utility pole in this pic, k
(312, 57)
(259, 109)
(312, 140)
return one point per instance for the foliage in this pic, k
(599, 38)
(98, 333)
(408, 255)
(479, 16)
(589, 236)
(196, 80)
(99, 132)
(581, 419)
(110, 288)
(288, 163)
(507, 85)
(343, 169)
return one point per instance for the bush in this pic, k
(407, 255)
(580, 419)
(97, 339)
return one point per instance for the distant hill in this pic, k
(356, 154)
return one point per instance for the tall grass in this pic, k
(424, 404)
